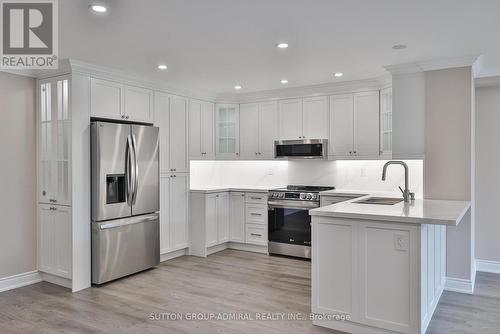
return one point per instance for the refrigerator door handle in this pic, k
(129, 171)
(136, 170)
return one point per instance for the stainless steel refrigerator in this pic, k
(125, 199)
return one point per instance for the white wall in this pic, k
(449, 153)
(351, 175)
(487, 173)
(17, 175)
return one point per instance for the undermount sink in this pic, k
(379, 201)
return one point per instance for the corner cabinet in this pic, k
(354, 126)
(201, 130)
(227, 131)
(258, 130)
(113, 100)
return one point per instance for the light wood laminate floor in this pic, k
(226, 282)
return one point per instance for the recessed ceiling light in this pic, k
(399, 46)
(237, 87)
(338, 74)
(162, 67)
(98, 8)
(282, 45)
(284, 81)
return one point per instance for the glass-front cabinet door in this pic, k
(54, 142)
(386, 122)
(227, 128)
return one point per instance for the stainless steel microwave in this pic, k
(301, 149)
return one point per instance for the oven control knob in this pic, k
(315, 196)
(302, 196)
(309, 196)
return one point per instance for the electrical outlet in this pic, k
(401, 242)
(363, 172)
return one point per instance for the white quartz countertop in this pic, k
(419, 211)
(254, 189)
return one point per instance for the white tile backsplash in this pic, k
(349, 175)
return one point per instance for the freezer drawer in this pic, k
(124, 246)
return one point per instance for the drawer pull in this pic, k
(259, 198)
(256, 214)
(256, 235)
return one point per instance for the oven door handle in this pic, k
(292, 205)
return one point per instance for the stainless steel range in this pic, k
(289, 221)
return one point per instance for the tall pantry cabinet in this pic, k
(171, 116)
(63, 155)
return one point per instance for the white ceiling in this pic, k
(211, 45)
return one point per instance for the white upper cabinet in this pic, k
(172, 118)
(138, 104)
(227, 131)
(237, 217)
(54, 121)
(179, 161)
(315, 118)
(268, 119)
(304, 118)
(106, 99)
(386, 122)
(366, 124)
(113, 100)
(201, 130)
(340, 140)
(258, 130)
(354, 126)
(290, 115)
(249, 130)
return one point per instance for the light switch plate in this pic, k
(401, 242)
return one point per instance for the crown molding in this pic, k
(406, 68)
(431, 65)
(491, 81)
(308, 91)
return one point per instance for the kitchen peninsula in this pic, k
(382, 265)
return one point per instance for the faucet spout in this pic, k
(406, 192)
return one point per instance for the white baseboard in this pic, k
(248, 247)
(488, 266)
(64, 282)
(19, 280)
(460, 285)
(173, 255)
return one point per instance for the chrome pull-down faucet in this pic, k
(407, 195)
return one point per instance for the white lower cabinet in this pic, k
(54, 240)
(237, 217)
(385, 276)
(174, 226)
(225, 219)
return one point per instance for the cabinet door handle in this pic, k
(53, 208)
(350, 152)
(256, 234)
(354, 152)
(52, 200)
(237, 153)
